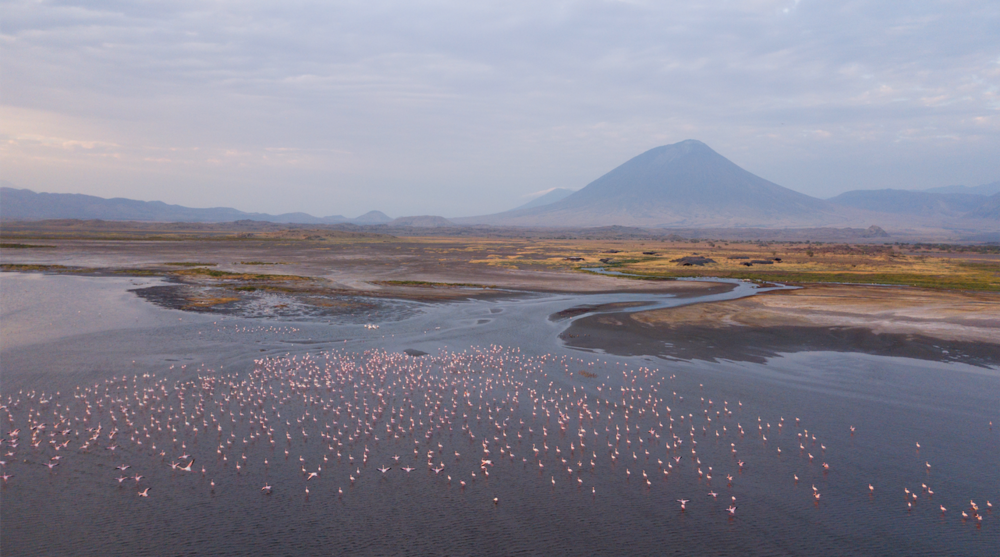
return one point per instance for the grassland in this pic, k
(947, 267)
(799, 264)
(221, 252)
(930, 266)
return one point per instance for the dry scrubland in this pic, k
(936, 266)
(951, 292)
(246, 251)
(232, 259)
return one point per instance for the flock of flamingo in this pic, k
(454, 418)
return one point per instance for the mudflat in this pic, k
(226, 269)
(381, 266)
(898, 321)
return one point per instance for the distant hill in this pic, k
(989, 209)
(423, 221)
(984, 189)
(372, 217)
(686, 184)
(553, 195)
(23, 204)
(908, 202)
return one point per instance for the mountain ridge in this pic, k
(25, 204)
(910, 202)
(992, 188)
(989, 210)
(686, 185)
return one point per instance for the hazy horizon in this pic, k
(456, 109)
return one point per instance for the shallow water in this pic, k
(63, 333)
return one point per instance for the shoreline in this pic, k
(914, 323)
(211, 286)
(350, 279)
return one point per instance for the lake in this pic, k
(562, 451)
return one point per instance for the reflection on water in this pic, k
(339, 400)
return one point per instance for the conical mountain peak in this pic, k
(683, 184)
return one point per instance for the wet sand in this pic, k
(906, 322)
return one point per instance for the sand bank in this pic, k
(877, 320)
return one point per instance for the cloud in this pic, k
(455, 107)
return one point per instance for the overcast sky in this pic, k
(467, 107)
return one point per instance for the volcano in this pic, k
(686, 184)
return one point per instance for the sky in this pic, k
(460, 108)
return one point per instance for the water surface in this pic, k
(493, 370)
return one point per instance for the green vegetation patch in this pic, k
(936, 282)
(25, 246)
(615, 263)
(262, 263)
(636, 275)
(427, 284)
(62, 269)
(986, 266)
(136, 272)
(29, 267)
(981, 282)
